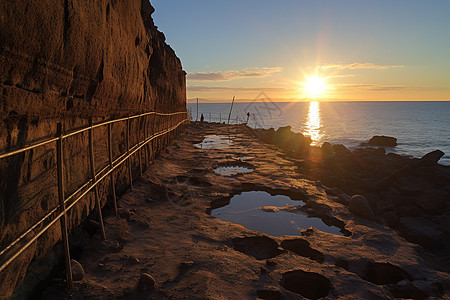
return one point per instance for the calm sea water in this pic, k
(420, 127)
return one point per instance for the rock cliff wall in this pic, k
(73, 61)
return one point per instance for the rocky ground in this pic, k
(165, 245)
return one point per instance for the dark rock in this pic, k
(384, 273)
(433, 204)
(327, 150)
(268, 294)
(340, 149)
(408, 211)
(360, 206)
(146, 282)
(407, 291)
(77, 270)
(391, 219)
(421, 232)
(260, 247)
(432, 157)
(382, 140)
(342, 264)
(308, 284)
(303, 248)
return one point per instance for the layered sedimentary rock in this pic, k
(71, 62)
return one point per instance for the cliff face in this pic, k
(71, 61)
(85, 58)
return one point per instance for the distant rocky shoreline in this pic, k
(407, 194)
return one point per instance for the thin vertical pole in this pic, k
(220, 118)
(94, 179)
(113, 183)
(62, 206)
(139, 142)
(145, 138)
(209, 117)
(130, 175)
(196, 119)
(231, 108)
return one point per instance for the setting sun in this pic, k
(315, 87)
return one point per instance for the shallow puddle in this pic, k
(215, 141)
(274, 215)
(232, 170)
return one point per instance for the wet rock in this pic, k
(308, 284)
(146, 282)
(360, 206)
(260, 247)
(384, 273)
(77, 270)
(303, 248)
(381, 140)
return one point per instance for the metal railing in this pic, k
(169, 122)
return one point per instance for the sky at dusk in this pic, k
(364, 50)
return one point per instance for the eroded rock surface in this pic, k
(229, 261)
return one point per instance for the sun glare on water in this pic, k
(315, 87)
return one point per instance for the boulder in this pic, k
(432, 157)
(77, 270)
(146, 282)
(381, 140)
(360, 206)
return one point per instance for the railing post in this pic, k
(130, 175)
(113, 184)
(139, 142)
(94, 179)
(145, 138)
(62, 206)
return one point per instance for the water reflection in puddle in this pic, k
(260, 211)
(215, 141)
(232, 170)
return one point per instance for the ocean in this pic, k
(420, 127)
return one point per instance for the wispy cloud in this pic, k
(232, 74)
(202, 88)
(354, 66)
(373, 87)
